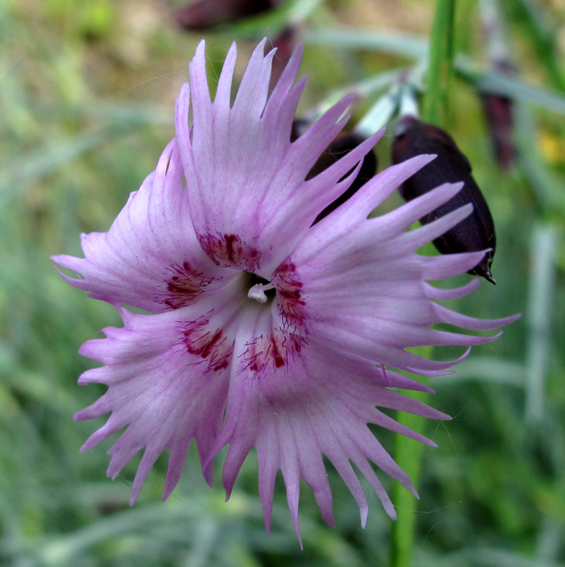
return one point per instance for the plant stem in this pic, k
(408, 454)
(440, 64)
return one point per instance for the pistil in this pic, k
(257, 292)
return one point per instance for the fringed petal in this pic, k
(150, 258)
(168, 381)
(293, 420)
(246, 179)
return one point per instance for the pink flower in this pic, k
(264, 329)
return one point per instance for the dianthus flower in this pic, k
(266, 329)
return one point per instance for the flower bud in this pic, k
(205, 14)
(499, 112)
(474, 233)
(342, 144)
(284, 43)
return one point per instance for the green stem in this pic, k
(440, 66)
(408, 455)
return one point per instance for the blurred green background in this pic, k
(87, 93)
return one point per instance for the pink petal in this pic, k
(150, 257)
(297, 413)
(246, 180)
(168, 380)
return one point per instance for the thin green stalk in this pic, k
(440, 64)
(408, 454)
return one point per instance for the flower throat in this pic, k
(260, 289)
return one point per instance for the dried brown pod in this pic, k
(413, 137)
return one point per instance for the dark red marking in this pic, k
(211, 345)
(229, 246)
(185, 286)
(291, 304)
(277, 349)
(279, 361)
(229, 251)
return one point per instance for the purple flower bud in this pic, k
(206, 14)
(472, 234)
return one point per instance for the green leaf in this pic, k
(395, 43)
(512, 87)
(545, 243)
(415, 47)
(537, 30)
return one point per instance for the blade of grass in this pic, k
(16, 176)
(544, 183)
(486, 369)
(402, 44)
(512, 87)
(544, 40)
(414, 47)
(540, 308)
(274, 20)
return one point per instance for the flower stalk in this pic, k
(434, 110)
(440, 64)
(409, 456)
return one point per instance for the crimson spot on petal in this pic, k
(275, 350)
(185, 285)
(229, 251)
(202, 340)
(291, 304)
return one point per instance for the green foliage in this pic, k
(86, 100)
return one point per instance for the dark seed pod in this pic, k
(206, 14)
(474, 233)
(342, 145)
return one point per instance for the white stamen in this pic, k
(257, 292)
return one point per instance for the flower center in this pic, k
(261, 290)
